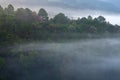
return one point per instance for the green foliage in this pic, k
(26, 24)
(2, 61)
(90, 18)
(9, 10)
(101, 19)
(27, 58)
(60, 18)
(43, 13)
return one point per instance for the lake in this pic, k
(89, 59)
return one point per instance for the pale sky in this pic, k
(110, 9)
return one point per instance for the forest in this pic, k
(25, 24)
(23, 58)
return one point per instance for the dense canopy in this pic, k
(27, 24)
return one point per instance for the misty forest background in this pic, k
(25, 24)
(22, 25)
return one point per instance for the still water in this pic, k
(90, 59)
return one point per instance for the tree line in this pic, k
(24, 23)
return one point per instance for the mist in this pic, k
(59, 40)
(85, 59)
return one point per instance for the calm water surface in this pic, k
(94, 59)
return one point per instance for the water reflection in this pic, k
(95, 59)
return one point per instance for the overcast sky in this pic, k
(110, 9)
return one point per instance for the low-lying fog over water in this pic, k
(90, 59)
